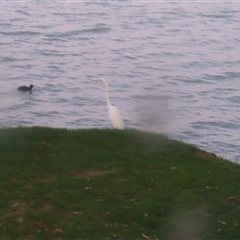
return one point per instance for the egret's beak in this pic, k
(97, 80)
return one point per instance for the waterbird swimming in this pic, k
(25, 88)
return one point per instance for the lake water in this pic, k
(172, 68)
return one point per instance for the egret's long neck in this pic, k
(107, 95)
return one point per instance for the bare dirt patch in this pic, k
(91, 173)
(203, 154)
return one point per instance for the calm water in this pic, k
(171, 67)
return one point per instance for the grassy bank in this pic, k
(109, 184)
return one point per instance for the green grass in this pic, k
(110, 184)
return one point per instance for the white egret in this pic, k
(113, 113)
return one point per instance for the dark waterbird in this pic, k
(25, 88)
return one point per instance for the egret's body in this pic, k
(113, 113)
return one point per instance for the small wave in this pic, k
(49, 85)
(9, 59)
(5, 24)
(54, 39)
(27, 66)
(57, 36)
(18, 19)
(171, 13)
(119, 40)
(35, 75)
(12, 59)
(46, 52)
(53, 112)
(20, 33)
(41, 26)
(23, 12)
(217, 16)
(102, 3)
(234, 99)
(53, 67)
(228, 11)
(78, 32)
(233, 75)
(130, 57)
(96, 30)
(214, 77)
(220, 125)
